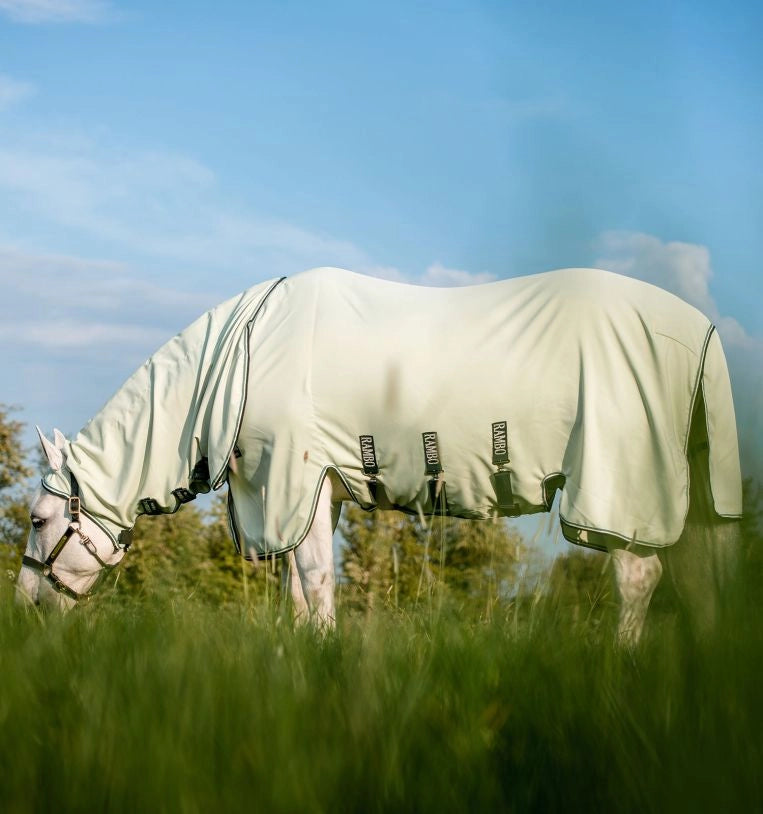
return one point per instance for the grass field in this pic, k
(174, 706)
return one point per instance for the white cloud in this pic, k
(78, 184)
(154, 204)
(439, 275)
(435, 275)
(65, 282)
(683, 268)
(12, 90)
(89, 308)
(165, 205)
(69, 333)
(733, 333)
(390, 273)
(56, 11)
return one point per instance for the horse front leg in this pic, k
(291, 586)
(314, 558)
(636, 578)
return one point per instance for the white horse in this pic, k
(270, 392)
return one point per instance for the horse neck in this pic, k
(147, 439)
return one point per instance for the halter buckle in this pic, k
(74, 508)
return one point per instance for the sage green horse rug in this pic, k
(474, 402)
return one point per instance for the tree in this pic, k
(580, 587)
(14, 519)
(13, 466)
(392, 558)
(190, 554)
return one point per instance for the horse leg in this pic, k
(314, 557)
(292, 587)
(701, 565)
(703, 561)
(636, 578)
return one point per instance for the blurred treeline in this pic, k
(387, 559)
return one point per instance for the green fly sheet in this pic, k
(476, 402)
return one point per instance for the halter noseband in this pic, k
(74, 527)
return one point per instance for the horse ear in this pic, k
(59, 439)
(54, 455)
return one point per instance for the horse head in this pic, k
(67, 552)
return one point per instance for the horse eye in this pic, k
(38, 523)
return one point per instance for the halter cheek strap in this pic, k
(74, 527)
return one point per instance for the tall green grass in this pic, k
(177, 706)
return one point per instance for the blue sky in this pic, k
(156, 158)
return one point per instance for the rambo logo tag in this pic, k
(368, 455)
(500, 443)
(431, 453)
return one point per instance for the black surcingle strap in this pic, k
(198, 484)
(501, 479)
(369, 462)
(150, 506)
(437, 496)
(74, 500)
(199, 480)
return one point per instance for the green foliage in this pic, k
(13, 467)
(177, 706)
(190, 555)
(579, 588)
(392, 558)
(14, 515)
(14, 530)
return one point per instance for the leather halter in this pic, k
(74, 527)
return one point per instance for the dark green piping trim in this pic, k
(606, 533)
(697, 386)
(220, 478)
(313, 508)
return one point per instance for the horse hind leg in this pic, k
(636, 577)
(703, 561)
(701, 565)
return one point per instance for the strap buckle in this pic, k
(125, 538)
(149, 505)
(74, 508)
(183, 495)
